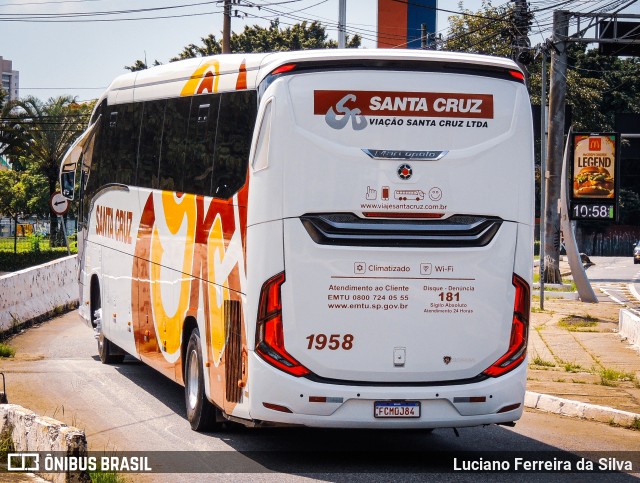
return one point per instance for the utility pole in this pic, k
(555, 145)
(521, 43)
(342, 24)
(543, 170)
(423, 36)
(226, 28)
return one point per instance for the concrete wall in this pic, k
(31, 433)
(629, 328)
(38, 291)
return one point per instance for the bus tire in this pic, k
(201, 413)
(109, 353)
(106, 349)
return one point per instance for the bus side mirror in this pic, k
(68, 184)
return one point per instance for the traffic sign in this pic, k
(58, 203)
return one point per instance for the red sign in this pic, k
(407, 104)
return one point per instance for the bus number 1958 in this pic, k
(332, 342)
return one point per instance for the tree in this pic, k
(597, 86)
(629, 207)
(302, 36)
(38, 134)
(22, 194)
(488, 31)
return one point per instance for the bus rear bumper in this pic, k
(304, 402)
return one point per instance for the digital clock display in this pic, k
(588, 211)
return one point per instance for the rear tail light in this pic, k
(516, 74)
(283, 69)
(519, 332)
(270, 333)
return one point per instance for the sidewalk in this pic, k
(576, 354)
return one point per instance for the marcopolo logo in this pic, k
(340, 107)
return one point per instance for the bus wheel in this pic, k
(106, 349)
(201, 413)
(109, 353)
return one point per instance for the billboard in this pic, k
(594, 176)
(623, 31)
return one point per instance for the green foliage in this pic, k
(539, 361)
(6, 350)
(611, 377)
(572, 367)
(106, 477)
(11, 262)
(576, 322)
(629, 207)
(37, 134)
(6, 444)
(616, 81)
(302, 36)
(489, 31)
(598, 86)
(23, 193)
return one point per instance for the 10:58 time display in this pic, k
(592, 211)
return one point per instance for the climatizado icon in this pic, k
(405, 171)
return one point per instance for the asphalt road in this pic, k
(618, 277)
(130, 407)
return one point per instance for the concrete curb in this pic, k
(577, 409)
(629, 328)
(31, 433)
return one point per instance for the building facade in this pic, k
(9, 78)
(400, 23)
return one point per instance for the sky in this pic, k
(80, 58)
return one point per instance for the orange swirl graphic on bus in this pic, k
(199, 248)
(204, 79)
(177, 212)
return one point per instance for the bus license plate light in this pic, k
(396, 409)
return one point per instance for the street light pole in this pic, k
(342, 24)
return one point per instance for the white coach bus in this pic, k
(337, 238)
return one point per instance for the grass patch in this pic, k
(6, 350)
(559, 380)
(106, 477)
(611, 377)
(6, 445)
(571, 367)
(636, 424)
(577, 322)
(539, 361)
(577, 381)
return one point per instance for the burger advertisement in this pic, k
(593, 176)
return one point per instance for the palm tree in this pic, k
(38, 134)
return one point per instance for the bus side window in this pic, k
(149, 150)
(119, 154)
(174, 137)
(261, 155)
(235, 130)
(201, 138)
